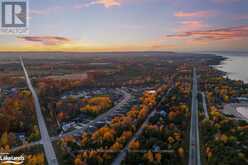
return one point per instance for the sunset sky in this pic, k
(133, 25)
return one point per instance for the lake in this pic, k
(236, 66)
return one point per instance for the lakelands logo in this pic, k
(6, 158)
(14, 17)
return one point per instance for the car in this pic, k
(99, 124)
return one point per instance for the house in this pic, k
(155, 148)
(242, 99)
(67, 126)
(163, 113)
(151, 92)
(21, 137)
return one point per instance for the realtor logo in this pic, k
(6, 158)
(14, 17)
(14, 14)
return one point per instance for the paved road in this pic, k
(194, 146)
(45, 138)
(204, 103)
(109, 113)
(123, 153)
(28, 145)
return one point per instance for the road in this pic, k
(204, 103)
(194, 145)
(123, 102)
(45, 138)
(109, 113)
(28, 145)
(123, 153)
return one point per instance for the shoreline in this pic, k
(232, 75)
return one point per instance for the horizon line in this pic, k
(134, 51)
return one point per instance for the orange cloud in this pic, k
(105, 3)
(196, 42)
(194, 14)
(191, 25)
(45, 40)
(54, 43)
(214, 34)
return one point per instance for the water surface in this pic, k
(236, 66)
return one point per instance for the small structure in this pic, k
(242, 99)
(152, 92)
(155, 148)
(21, 137)
(163, 113)
(67, 126)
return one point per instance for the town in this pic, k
(122, 108)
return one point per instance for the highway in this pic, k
(194, 145)
(204, 103)
(45, 138)
(123, 152)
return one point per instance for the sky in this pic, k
(133, 25)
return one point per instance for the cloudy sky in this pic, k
(132, 25)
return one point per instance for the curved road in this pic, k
(45, 138)
(127, 97)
